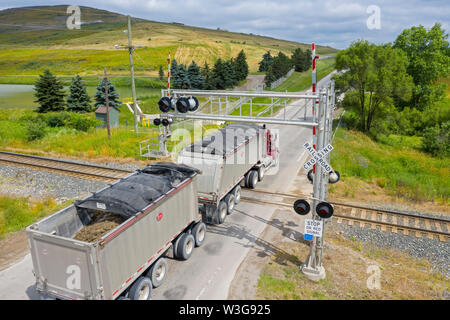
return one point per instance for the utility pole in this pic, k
(133, 88)
(130, 49)
(107, 106)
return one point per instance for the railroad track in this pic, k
(89, 171)
(385, 220)
(375, 218)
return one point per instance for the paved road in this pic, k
(210, 270)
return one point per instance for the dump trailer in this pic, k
(157, 209)
(234, 156)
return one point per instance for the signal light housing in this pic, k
(302, 207)
(156, 121)
(324, 210)
(165, 104)
(334, 177)
(193, 102)
(310, 175)
(183, 105)
(166, 122)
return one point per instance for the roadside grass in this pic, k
(300, 81)
(346, 262)
(94, 143)
(395, 165)
(19, 212)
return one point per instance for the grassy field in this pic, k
(346, 262)
(27, 50)
(300, 81)
(395, 165)
(17, 213)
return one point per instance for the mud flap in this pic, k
(210, 214)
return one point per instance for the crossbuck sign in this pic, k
(318, 157)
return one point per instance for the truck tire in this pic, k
(221, 212)
(261, 172)
(157, 272)
(229, 200)
(186, 246)
(175, 245)
(253, 179)
(141, 289)
(246, 178)
(237, 194)
(199, 233)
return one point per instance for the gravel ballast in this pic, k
(435, 251)
(26, 182)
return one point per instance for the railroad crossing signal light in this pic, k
(324, 210)
(334, 177)
(165, 104)
(156, 121)
(302, 207)
(166, 122)
(187, 104)
(310, 175)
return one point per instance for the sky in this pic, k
(335, 23)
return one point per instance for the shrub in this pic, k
(436, 140)
(57, 119)
(35, 130)
(80, 122)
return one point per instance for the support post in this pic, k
(133, 88)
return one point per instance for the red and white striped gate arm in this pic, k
(168, 77)
(314, 83)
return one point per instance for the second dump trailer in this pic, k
(234, 156)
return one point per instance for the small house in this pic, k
(100, 114)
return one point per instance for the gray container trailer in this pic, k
(234, 156)
(160, 209)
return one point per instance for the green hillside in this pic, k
(33, 39)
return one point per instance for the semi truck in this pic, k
(235, 156)
(159, 208)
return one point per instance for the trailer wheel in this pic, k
(186, 246)
(237, 194)
(222, 211)
(199, 233)
(246, 179)
(261, 172)
(141, 289)
(229, 200)
(157, 272)
(253, 179)
(175, 245)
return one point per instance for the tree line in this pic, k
(223, 75)
(395, 87)
(50, 95)
(278, 66)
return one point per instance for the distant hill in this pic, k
(35, 38)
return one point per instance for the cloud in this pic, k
(327, 22)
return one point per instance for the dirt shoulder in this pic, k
(13, 247)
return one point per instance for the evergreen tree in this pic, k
(266, 62)
(208, 78)
(49, 93)
(228, 75)
(78, 99)
(307, 63)
(298, 59)
(113, 95)
(174, 76)
(181, 79)
(217, 75)
(196, 79)
(161, 73)
(241, 66)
